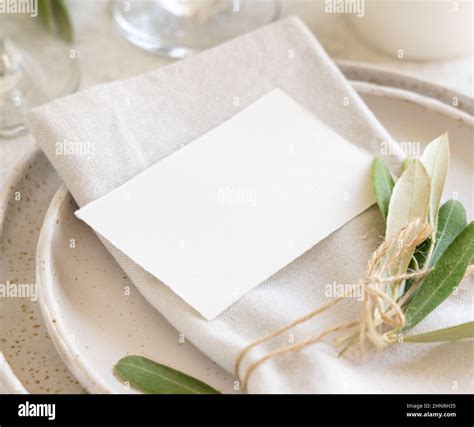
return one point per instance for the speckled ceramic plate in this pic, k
(32, 364)
(95, 314)
(82, 288)
(29, 361)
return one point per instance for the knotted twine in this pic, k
(381, 307)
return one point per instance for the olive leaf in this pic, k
(45, 12)
(451, 221)
(435, 158)
(410, 198)
(63, 23)
(55, 17)
(382, 184)
(409, 201)
(453, 333)
(154, 378)
(446, 274)
(418, 260)
(406, 162)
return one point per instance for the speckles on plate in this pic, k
(23, 337)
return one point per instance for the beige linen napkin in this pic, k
(132, 124)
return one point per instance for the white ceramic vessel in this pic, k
(417, 29)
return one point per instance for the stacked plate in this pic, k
(88, 314)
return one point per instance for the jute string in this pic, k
(381, 306)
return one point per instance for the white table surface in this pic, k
(105, 56)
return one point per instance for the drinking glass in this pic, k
(35, 67)
(179, 28)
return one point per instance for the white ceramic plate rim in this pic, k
(67, 349)
(9, 382)
(379, 75)
(431, 104)
(13, 177)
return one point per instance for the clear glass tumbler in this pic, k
(35, 67)
(179, 28)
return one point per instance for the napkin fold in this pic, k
(134, 123)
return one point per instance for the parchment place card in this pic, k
(221, 215)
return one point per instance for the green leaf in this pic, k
(45, 12)
(454, 333)
(410, 200)
(154, 378)
(435, 158)
(55, 17)
(406, 163)
(382, 184)
(418, 260)
(63, 23)
(451, 221)
(440, 282)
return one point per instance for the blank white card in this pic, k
(223, 214)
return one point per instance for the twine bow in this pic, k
(381, 306)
